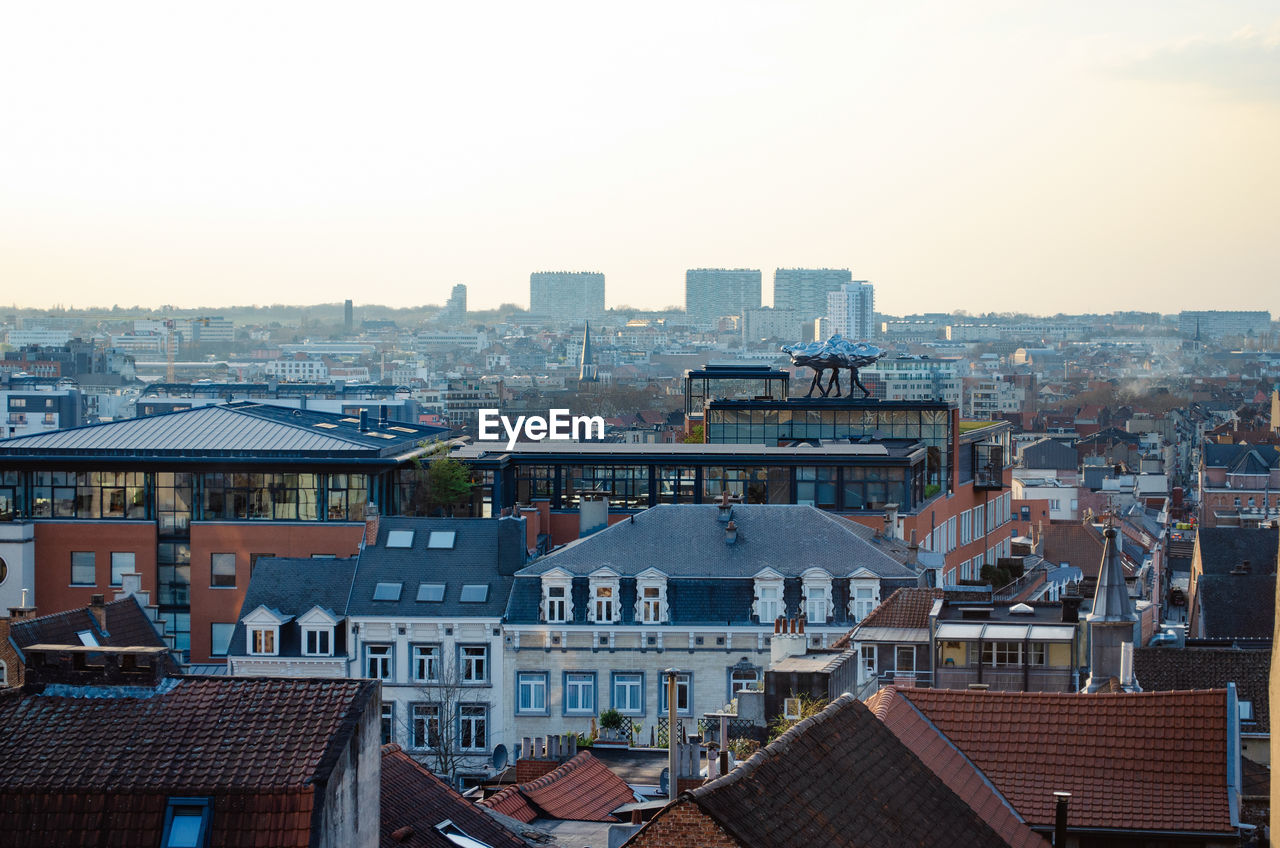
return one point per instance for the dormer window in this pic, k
(768, 604)
(557, 604)
(864, 594)
(604, 598)
(317, 625)
(651, 597)
(817, 596)
(262, 631)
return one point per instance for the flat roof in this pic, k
(890, 449)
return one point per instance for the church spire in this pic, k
(1111, 623)
(587, 370)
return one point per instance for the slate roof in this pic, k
(1236, 606)
(581, 789)
(127, 626)
(1049, 453)
(485, 552)
(415, 801)
(838, 773)
(1226, 456)
(1223, 548)
(688, 540)
(1167, 669)
(237, 430)
(91, 771)
(1133, 761)
(293, 587)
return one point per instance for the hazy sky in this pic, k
(998, 156)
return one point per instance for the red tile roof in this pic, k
(582, 789)
(1143, 761)
(81, 769)
(415, 801)
(842, 778)
(904, 608)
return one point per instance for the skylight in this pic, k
(441, 539)
(87, 638)
(432, 592)
(387, 591)
(475, 593)
(402, 429)
(400, 539)
(326, 425)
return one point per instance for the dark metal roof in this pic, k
(243, 429)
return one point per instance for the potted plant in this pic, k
(614, 728)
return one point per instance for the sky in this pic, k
(980, 156)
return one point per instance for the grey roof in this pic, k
(486, 551)
(1049, 453)
(1223, 456)
(1111, 600)
(243, 429)
(688, 540)
(292, 587)
(1223, 548)
(1237, 606)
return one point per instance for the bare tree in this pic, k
(444, 728)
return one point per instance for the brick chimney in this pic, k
(98, 609)
(371, 524)
(913, 549)
(891, 521)
(542, 755)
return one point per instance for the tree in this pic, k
(439, 486)
(809, 706)
(435, 718)
(695, 436)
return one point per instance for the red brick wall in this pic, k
(302, 539)
(9, 655)
(527, 769)
(682, 825)
(54, 543)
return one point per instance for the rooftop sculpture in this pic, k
(835, 353)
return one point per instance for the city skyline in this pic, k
(993, 157)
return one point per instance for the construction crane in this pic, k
(171, 344)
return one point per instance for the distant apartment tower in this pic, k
(711, 293)
(852, 310)
(570, 295)
(457, 303)
(805, 290)
(1218, 324)
(348, 317)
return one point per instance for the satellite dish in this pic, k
(664, 782)
(499, 758)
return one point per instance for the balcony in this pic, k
(988, 466)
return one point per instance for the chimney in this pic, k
(382, 415)
(364, 421)
(890, 520)
(98, 610)
(1060, 820)
(913, 559)
(370, 524)
(730, 533)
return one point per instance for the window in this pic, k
(431, 592)
(867, 653)
(604, 603)
(222, 570)
(531, 690)
(791, 708)
(556, 606)
(458, 836)
(377, 661)
(253, 561)
(388, 723)
(387, 591)
(684, 683)
(628, 692)
(743, 679)
(317, 642)
(475, 663)
(817, 598)
(768, 599)
(88, 639)
(1246, 710)
(186, 823)
(474, 593)
(904, 659)
(220, 638)
(262, 641)
(121, 564)
(426, 662)
(82, 569)
(399, 538)
(651, 605)
(424, 726)
(580, 693)
(441, 540)
(473, 727)
(998, 654)
(865, 599)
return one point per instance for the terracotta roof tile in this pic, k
(904, 608)
(1122, 756)
(785, 795)
(582, 789)
(83, 769)
(414, 798)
